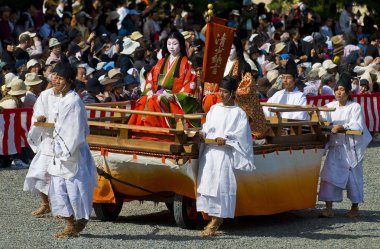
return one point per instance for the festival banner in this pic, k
(219, 40)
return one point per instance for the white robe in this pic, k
(73, 169)
(343, 165)
(290, 98)
(216, 190)
(41, 141)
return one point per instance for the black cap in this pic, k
(229, 83)
(66, 71)
(344, 81)
(290, 68)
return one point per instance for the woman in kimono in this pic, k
(343, 168)
(73, 171)
(227, 124)
(170, 86)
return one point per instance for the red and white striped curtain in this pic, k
(369, 102)
(14, 127)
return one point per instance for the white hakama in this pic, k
(290, 98)
(41, 141)
(73, 171)
(216, 190)
(343, 167)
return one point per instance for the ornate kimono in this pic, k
(246, 98)
(170, 87)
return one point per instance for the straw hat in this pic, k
(27, 33)
(129, 46)
(17, 87)
(32, 79)
(105, 80)
(279, 48)
(114, 73)
(136, 35)
(185, 34)
(322, 71)
(337, 40)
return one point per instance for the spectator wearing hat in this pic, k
(107, 95)
(33, 66)
(48, 29)
(93, 89)
(33, 81)
(290, 95)
(331, 68)
(55, 54)
(233, 21)
(125, 61)
(21, 52)
(81, 19)
(7, 55)
(119, 91)
(137, 37)
(13, 99)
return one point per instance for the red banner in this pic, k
(219, 40)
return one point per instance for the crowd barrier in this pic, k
(15, 123)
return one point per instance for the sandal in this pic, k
(353, 213)
(41, 210)
(79, 225)
(211, 228)
(327, 213)
(69, 231)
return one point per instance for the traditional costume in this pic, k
(216, 183)
(216, 188)
(295, 97)
(343, 167)
(170, 87)
(73, 171)
(40, 140)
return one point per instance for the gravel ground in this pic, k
(148, 225)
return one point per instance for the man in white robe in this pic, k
(290, 95)
(227, 124)
(40, 140)
(73, 171)
(343, 167)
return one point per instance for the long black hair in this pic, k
(243, 65)
(175, 34)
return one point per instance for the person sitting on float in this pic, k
(170, 85)
(290, 94)
(246, 96)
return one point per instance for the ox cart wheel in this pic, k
(108, 211)
(185, 212)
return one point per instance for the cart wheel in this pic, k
(108, 211)
(185, 212)
(169, 206)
